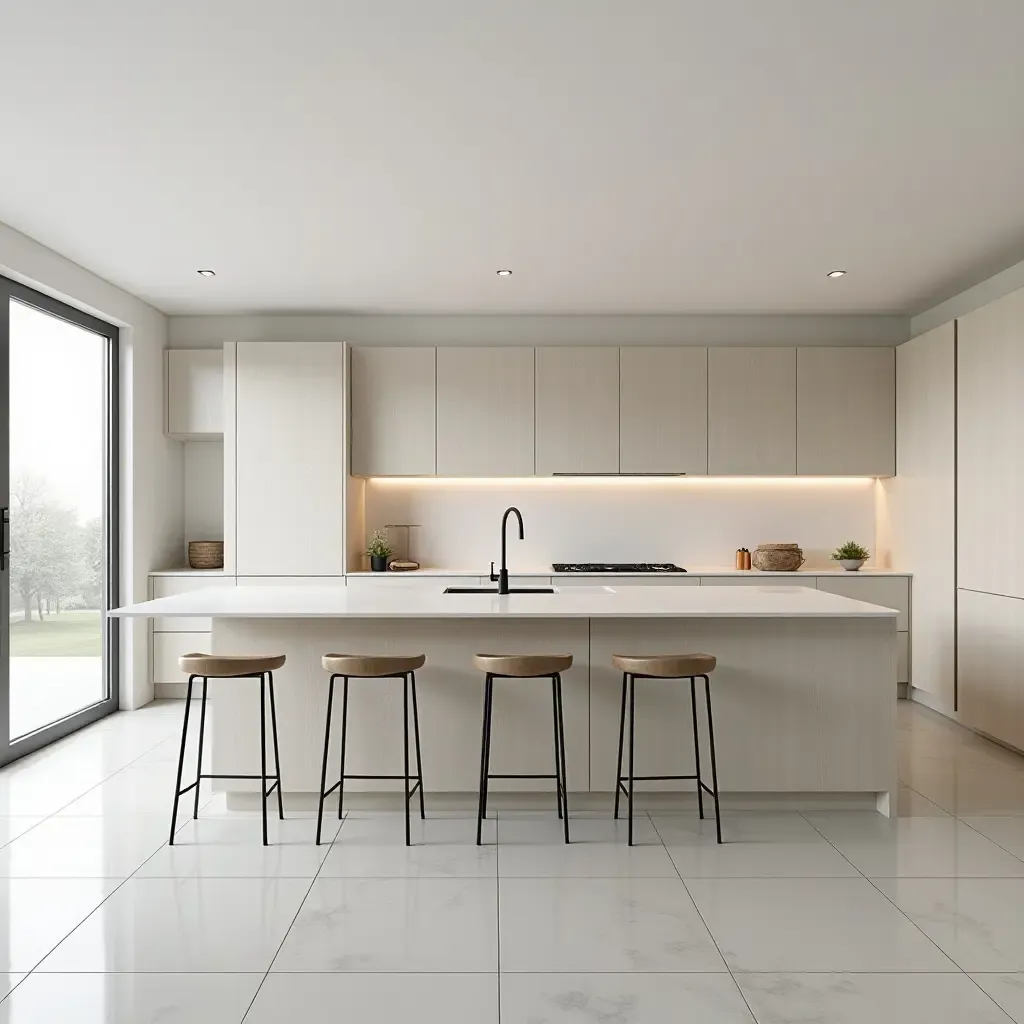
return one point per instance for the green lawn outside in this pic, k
(66, 635)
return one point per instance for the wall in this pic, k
(204, 331)
(981, 294)
(695, 522)
(151, 466)
(203, 492)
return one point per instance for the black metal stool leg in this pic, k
(485, 739)
(696, 746)
(714, 765)
(419, 756)
(323, 771)
(622, 733)
(199, 759)
(344, 737)
(558, 754)
(405, 754)
(277, 753)
(181, 759)
(632, 747)
(263, 754)
(487, 763)
(564, 781)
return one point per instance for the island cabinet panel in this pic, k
(846, 411)
(784, 694)
(450, 692)
(289, 459)
(752, 411)
(577, 410)
(663, 410)
(485, 414)
(394, 411)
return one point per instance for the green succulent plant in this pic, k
(379, 546)
(850, 551)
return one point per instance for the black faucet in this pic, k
(501, 578)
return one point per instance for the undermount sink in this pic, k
(494, 590)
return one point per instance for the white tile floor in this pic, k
(816, 917)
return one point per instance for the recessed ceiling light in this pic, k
(504, 273)
(207, 273)
(835, 273)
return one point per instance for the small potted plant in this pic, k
(851, 556)
(379, 551)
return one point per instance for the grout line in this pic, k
(732, 974)
(497, 892)
(288, 930)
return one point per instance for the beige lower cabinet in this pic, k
(887, 591)
(756, 579)
(615, 580)
(384, 580)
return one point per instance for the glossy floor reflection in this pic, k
(830, 917)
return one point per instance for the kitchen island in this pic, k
(804, 693)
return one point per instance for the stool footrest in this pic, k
(490, 775)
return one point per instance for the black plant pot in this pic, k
(379, 563)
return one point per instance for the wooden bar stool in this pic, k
(523, 666)
(356, 666)
(224, 666)
(666, 666)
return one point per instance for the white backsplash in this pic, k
(695, 522)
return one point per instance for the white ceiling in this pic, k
(618, 155)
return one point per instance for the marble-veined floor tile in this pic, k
(131, 999)
(94, 847)
(977, 922)
(8, 982)
(602, 924)
(584, 860)
(1005, 830)
(233, 848)
(37, 913)
(1007, 990)
(138, 789)
(539, 828)
(378, 998)
(914, 847)
(366, 925)
(183, 925)
(911, 804)
(12, 826)
(868, 999)
(811, 924)
(621, 998)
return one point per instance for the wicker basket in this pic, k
(206, 554)
(777, 557)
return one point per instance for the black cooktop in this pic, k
(626, 567)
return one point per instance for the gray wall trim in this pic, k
(471, 329)
(981, 294)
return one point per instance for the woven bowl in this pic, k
(206, 554)
(777, 557)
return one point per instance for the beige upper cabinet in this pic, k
(394, 405)
(289, 454)
(194, 399)
(485, 413)
(846, 411)
(663, 410)
(577, 410)
(752, 411)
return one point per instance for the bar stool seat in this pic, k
(691, 666)
(231, 666)
(523, 666)
(372, 666)
(665, 666)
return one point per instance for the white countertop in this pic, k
(700, 571)
(423, 602)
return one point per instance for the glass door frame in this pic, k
(12, 750)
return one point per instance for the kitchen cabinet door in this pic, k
(990, 439)
(194, 393)
(846, 411)
(289, 459)
(752, 411)
(485, 421)
(663, 410)
(886, 591)
(394, 410)
(577, 400)
(990, 663)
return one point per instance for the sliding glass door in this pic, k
(58, 472)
